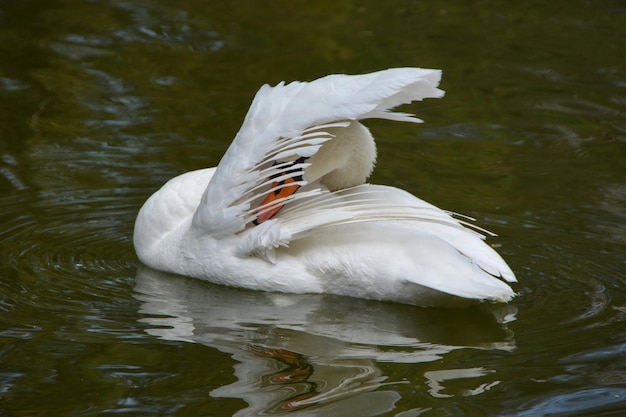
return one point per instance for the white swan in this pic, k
(287, 208)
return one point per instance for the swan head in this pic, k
(345, 161)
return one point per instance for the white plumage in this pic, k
(287, 208)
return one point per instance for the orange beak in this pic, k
(275, 195)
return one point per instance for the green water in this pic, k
(102, 101)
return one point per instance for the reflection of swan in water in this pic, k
(298, 351)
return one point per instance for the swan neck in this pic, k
(345, 161)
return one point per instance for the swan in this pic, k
(288, 209)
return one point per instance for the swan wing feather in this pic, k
(287, 122)
(374, 203)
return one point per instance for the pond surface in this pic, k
(102, 101)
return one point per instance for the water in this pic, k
(103, 101)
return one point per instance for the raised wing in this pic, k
(288, 122)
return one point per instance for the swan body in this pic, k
(288, 208)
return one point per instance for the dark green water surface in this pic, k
(101, 101)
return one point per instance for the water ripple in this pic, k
(71, 254)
